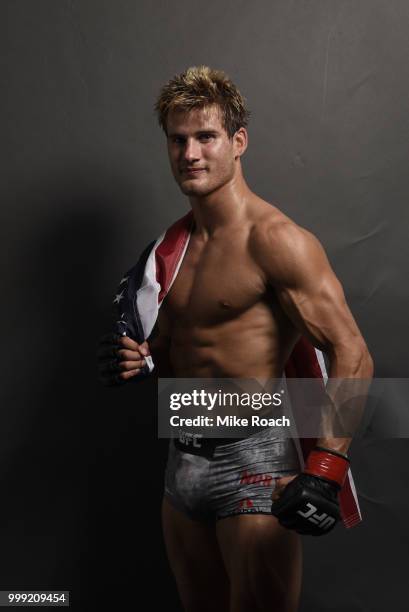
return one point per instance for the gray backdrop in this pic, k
(86, 184)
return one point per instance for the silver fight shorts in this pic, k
(227, 478)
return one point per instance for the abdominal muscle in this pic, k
(249, 345)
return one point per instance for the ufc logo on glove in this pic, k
(322, 520)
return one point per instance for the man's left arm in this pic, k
(296, 266)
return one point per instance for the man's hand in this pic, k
(120, 358)
(280, 485)
(308, 503)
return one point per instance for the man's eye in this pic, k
(178, 140)
(206, 137)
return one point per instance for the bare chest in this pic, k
(216, 282)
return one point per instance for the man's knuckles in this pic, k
(130, 344)
(130, 374)
(132, 365)
(128, 355)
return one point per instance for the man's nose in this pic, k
(191, 150)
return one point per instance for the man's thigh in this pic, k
(263, 561)
(196, 562)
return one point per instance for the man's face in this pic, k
(201, 154)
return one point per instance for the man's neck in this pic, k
(222, 208)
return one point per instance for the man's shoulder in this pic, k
(275, 233)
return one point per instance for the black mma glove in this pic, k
(309, 503)
(108, 360)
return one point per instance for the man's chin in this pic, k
(190, 188)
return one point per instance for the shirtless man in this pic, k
(250, 284)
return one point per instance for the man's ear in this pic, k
(240, 141)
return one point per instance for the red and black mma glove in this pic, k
(309, 503)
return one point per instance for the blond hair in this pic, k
(201, 86)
